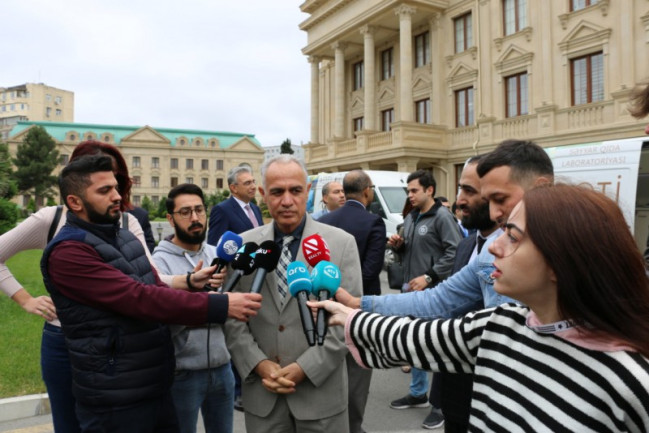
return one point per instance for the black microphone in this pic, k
(227, 246)
(266, 259)
(241, 264)
(299, 284)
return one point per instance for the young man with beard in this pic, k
(111, 303)
(203, 378)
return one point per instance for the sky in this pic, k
(215, 65)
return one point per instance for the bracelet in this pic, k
(189, 281)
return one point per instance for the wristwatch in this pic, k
(428, 278)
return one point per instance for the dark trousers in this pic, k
(456, 404)
(151, 416)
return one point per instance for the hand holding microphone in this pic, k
(265, 260)
(299, 285)
(241, 264)
(325, 280)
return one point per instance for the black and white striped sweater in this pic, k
(524, 381)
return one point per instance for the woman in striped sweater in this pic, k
(574, 359)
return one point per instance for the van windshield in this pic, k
(395, 197)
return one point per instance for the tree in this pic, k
(148, 206)
(35, 160)
(286, 147)
(8, 214)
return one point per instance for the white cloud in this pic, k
(199, 64)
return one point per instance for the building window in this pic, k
(48, 97)
(463, 32)
(219, 164)
(155, 162)
(174, 163)
(189, 164)
(576, 5)
(57, 100)
(422, 49)
(107, 138)
(516, 95)
(387, 117)
(358, 75)
(174, 181)
(387, 64)
(358, 124)
(464, 107)
(514, 16)
(587, 79)
(63, 159)
(422, 111)
(137, 200)
(189, 180)
(205, 164)
(204, 183)
(182, 141)
(137, 181)
(219, 183)
(136, 161)
(155, 199)
(155, 182)
(48, 111)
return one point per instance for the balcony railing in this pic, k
(380, 140)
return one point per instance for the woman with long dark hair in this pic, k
(574, 358)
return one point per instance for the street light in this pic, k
(159, 230)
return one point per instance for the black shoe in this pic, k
(410, 401)
(435, 419)
(238, 404)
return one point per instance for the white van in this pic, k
(389, 194)
(619, 168)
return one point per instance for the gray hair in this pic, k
(355, 182)
(326, 187)
(235, 172)
(283, 158)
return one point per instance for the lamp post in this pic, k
(159, 230)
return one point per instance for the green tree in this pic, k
(35, 160)
(162, 208)
(286, 147)
(148, 206)
(8, 186)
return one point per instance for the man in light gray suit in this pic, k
(289, 386)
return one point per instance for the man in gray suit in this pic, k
(289, 386)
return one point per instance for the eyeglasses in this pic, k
(186, 212)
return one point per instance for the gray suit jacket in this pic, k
(276, 334)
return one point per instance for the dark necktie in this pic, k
(284, 260)
(481, 242)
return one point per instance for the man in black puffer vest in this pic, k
(111, 301)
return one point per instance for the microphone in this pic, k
(266, 259)
(299, 284)
(242, 264)
(315, 249)
(325, 280)
(227, 246)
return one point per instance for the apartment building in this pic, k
(158, 158)
(33, 101)
(401, 85)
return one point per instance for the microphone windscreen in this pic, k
(228, 245)
(298, 279)
(315, 249)
(243, 258)
(325, 276)
(267, 256)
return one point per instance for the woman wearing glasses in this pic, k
(34, 233)
(574, 359)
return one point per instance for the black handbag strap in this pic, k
(55, 223)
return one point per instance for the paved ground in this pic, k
(386, 385)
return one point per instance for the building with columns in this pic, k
(407, 84)
(33, 101)
(157, 158)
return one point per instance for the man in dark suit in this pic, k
(369, 231)
(237, 213)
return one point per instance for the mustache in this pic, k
(194, 225)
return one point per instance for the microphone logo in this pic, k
(230, 247)
(311, 247)
(293, 270)
(331, 272)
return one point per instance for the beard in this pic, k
(478, 218)
(196, 238)
(97, 217)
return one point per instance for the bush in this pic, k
(8, 215)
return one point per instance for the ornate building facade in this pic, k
(401, 85)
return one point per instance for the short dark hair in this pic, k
(355, 182)
(526, 160)
(454, 207)
(183, 188)
(75, 177)
(425, 177)
(442, 198)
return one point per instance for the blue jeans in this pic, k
(211, 391)
(57, 375)
(418, 382)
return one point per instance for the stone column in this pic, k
(405, 62)
(370, 79)
(339, 90)
(436, 50)
(315, 98)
